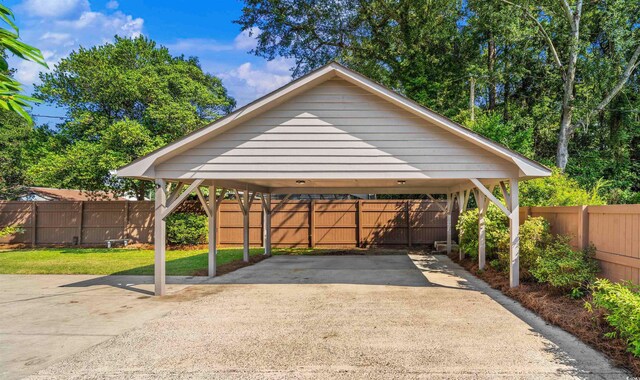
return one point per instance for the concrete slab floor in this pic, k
(341, 317)
(45, 318)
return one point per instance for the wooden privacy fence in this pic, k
(614, 230)
(316, 223)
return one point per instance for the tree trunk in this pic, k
(566, 126)
(491, 59)
(562, 153)
(140, 191)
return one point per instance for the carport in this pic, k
(332, 131)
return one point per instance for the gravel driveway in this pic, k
(341, 317)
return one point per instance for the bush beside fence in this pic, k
(614, 230)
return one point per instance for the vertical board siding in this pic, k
(231, 224)
(290, 224)
(17, 214)
(615, 232)
(337, 223)
(57, 222)
(102, 221)
(563, 220)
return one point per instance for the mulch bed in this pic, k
(562, 311)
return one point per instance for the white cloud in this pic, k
(247, 83)
(280, 65)
(113, 4)
(54, 8)
(246, 40)
(57, 39)
(74, 25)
(197, 45)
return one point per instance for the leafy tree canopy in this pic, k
(555, 88)
(123, 100)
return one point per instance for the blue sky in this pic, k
(195, 28)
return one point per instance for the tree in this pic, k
(566, 42)
(397, 43)
(515, 54)
(14, 134)
(10, 97)
(123, 100)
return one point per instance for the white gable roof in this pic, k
(163, 162)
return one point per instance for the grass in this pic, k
(109, 261)
(132, 261)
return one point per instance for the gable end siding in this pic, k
(336, 130)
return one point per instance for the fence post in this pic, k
(125, 233)
(80, 217)
(359, 240)
(583, 227)
(407, 215)
(34, 224)
(312, 223)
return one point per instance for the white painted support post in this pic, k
(463, 198)
(245, 225)
(266, 223)
(449, 210)
(514, 251)
(159, 236)
(213, 226)
(482, 234)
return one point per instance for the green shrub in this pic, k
(622, 305)
(535, 235)
(496, 230)
(565, 268)
(186, 229)
(11, 230)
(559, 190)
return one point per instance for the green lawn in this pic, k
(135, 261)
(109, 261)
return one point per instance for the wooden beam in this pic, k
(449, 210)
(159, 238)
(239, 199)
(176, 202)
(312, 223)
(359, 228)
(220, 197)
(266, 206)
(408, 217)
(359, 190)
(514, 248)
(505, 194)
(481, 200)
(203, 202)
(246, 209)
(175, 191)
(489, 195)
(232, 184)
(212, 213)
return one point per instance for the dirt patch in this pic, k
(562, 311)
